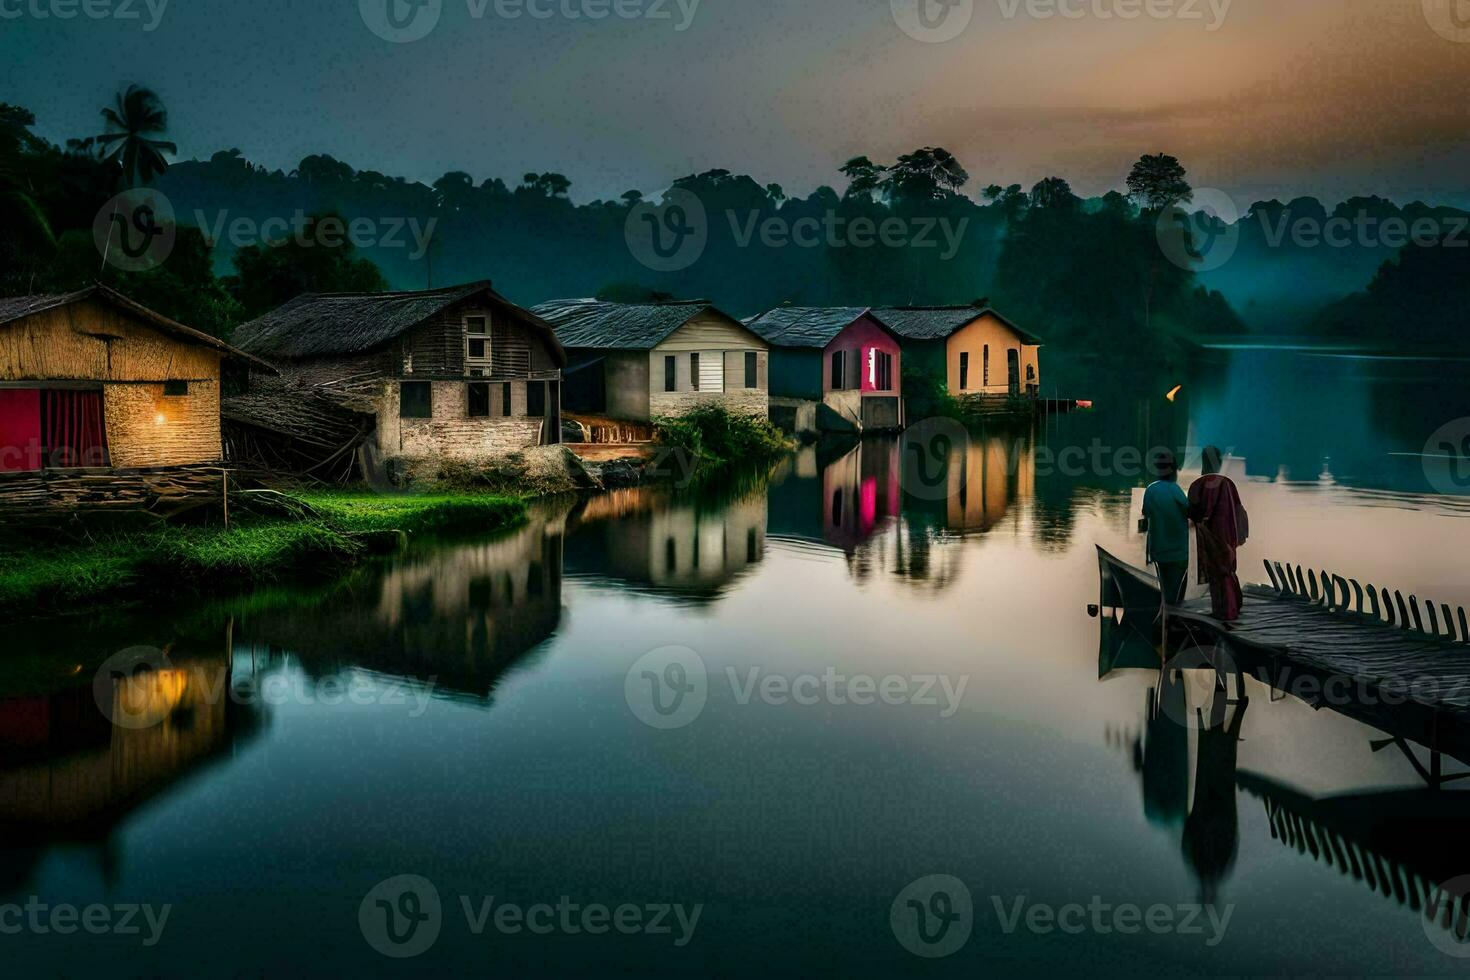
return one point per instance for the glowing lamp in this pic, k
(1174, 392)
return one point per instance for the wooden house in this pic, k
(640, 362)
(974, 348)
(844, 359)
(456, 373)
(106, 404)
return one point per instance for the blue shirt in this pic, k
(1167, 510)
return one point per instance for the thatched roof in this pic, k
(325, 324)
(588, 323)
(808, 326)
(13, 308)
(940, 322)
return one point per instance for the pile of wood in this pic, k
(164, 491)
(284, 428)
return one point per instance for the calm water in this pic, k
(652, 699)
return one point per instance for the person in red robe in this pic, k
(1221, 526)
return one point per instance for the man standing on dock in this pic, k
(1221, 526)
(1166, 519)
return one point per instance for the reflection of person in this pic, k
(1211, 836)
(1166, 514)
(1221, 526)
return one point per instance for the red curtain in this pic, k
(20, 429)
(72, 429)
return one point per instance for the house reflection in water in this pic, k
(69, 776)
(889, 508)
(688, 546)
(458, 615)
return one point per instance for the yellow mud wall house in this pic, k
(978, 351)
(94, 386)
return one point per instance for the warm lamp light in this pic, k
(1174, 392)
(159, 418)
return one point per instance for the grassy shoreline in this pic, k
(339, 529)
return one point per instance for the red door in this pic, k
(20, 429)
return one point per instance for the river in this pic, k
(741, 728)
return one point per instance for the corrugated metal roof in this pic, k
(806, 326)
(590, 323)
(939, 322)
(321, 324)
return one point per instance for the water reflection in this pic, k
(458, 615)
(69, 775)
(690, 547)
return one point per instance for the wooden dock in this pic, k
(1328, 626)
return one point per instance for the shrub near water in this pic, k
(716, 437)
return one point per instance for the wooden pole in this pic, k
(225, 486)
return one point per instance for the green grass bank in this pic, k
(303, 534)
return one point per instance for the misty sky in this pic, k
(1284, 97)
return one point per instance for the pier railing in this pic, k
(1347, 596)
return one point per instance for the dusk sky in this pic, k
(1282, 97)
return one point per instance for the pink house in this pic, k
(832, 369)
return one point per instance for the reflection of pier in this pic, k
(1401, 844)
(667, 544)
(460, 615)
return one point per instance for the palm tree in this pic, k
(132, 125)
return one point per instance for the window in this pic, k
(505, 399)
(478, 398)
(175, 389)
(986, 366)
(752, 369)
(53, 428)
(964, 370)
(477, 346)
(536, 399)
(694, 370)
(884, 371)
(671, 382)
(839, 370)
(415, 400)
